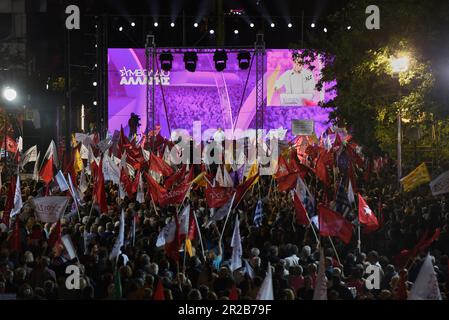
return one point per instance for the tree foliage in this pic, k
(369, 95)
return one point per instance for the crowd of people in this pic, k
(143, 271)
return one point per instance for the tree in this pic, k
(368, 96)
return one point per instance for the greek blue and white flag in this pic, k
(258, 214)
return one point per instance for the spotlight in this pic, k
(156, 24)
(133, 24)
(251, 25)
(195, 25)
(95, 65)
(9, 94)
(190, 59)
(94, 83)
(211, 31)
(220, 58)
(120, 29)
(172, 24)
(313, 25)
(96, 45)
(272, 25)
(325, 29)
(236, 31)
(95, 103)
(166, 59)
(349, 27)
(289, 25)
(243, 57)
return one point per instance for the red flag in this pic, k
(158, 165)
(46, 172)
(9, 205)
(321, 171)
(100, 193)
(154, 189)
(175, 196)
(14, 240)
(55, 235)
(401, 290)
(283, 169)
(300, 211)
(217, 197)
(159, 291)
(287, 182)
(11, 144)
(233, 295)
(188, 178)
(192, 227)
(366, 216)
(123, 142)
(178, 176)
(334, 225)
(352, 177)
(242, 188)
(172, 248)
(135, 184)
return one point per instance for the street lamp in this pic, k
(399, 65)
(10, 94)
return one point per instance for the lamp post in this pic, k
(10, 95)
(399, 65)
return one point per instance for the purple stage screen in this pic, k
(217, 99)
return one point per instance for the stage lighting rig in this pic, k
(166, 59)
(220, 58)
(243, 57)
(190, 59)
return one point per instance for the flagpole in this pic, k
(359, 242)
(199, 233)
(335, 250)
(227, 217)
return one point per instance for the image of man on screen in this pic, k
(296, 84)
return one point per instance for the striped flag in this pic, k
(342, 204)
(258, 214)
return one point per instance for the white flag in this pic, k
(219, 177)
(227, 179)
(84, 152)
(36, 168)
(320, 291)
(426, 284)
(146, 154)
(76, 197)
(167, 156)
(111, 171)
(120, 241)
(19, 144)
(83, 182)
(140, 197)
(62, 182)
(266, 289)
(351, 197)
(249, 270)
(236, 244)
(29, 156)
(50, 209)
(184, 221)
(68, 245)
(440, 185)
(17, 198)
